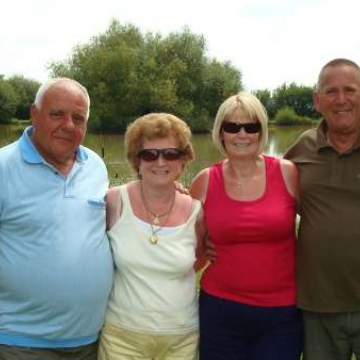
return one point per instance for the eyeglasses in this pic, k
(233, 127)
(169, 154)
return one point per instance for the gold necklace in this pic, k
(155, 217)
(155, 220)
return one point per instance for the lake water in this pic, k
(111, 147)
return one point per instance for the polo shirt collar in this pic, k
(321, 135)
(322, 142)
(31, 155)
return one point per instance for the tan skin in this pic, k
(60, 125)
(338, 100)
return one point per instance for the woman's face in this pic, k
(243, 142)
(169, 163)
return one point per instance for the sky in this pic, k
(271, 42)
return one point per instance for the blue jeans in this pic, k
(230, 330)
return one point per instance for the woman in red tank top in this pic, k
(247, 300)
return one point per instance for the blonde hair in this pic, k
(250, 106)
(153, 126)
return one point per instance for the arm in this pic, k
(199, 185)
(201, 233)
(291, 177)
(198, 189)
(113, 206)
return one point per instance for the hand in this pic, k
(181, 188)
(210, 250)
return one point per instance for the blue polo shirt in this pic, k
(56, 267)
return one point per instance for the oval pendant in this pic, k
(153, 239)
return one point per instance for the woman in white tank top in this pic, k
(156, 235)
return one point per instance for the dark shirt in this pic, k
(328, 247)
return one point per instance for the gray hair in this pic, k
(39, 97)
(333, 64)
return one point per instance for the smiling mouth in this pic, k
(242, 144)
(342, 112)
(160, 172)
(62, 138)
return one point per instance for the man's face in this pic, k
(60, 124)
(338, 99)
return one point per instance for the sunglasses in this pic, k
(233, 127)
(169, 154)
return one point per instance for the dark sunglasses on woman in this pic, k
(234, 127)
(169, 154)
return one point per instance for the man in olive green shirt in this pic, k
(328, 249)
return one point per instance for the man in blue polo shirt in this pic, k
(55, 262)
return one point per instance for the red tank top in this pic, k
(255, 241)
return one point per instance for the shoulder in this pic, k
(310, 135)
(189, 206)
(92, 163)
(113, 191)
(196, 205)
(112, 196)
(306, 140)
(288, 167)
(113, 206)
(201, 175)
(11, 164)
(290, 174)
(90, 154)
(7, 151)
(199, 185)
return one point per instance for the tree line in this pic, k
(128, 74)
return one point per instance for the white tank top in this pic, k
(154, 285)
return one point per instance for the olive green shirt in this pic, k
(328, 247)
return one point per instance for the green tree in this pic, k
(106, 66)
(25, 90)
(219, 81)
(8, 101)
(266, 98)
(129, 74)
(288, 116)
(299, 98)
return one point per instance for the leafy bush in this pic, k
(287, 116)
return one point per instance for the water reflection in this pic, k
(111, 147)
(280, 138)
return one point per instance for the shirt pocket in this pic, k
(97, 203)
